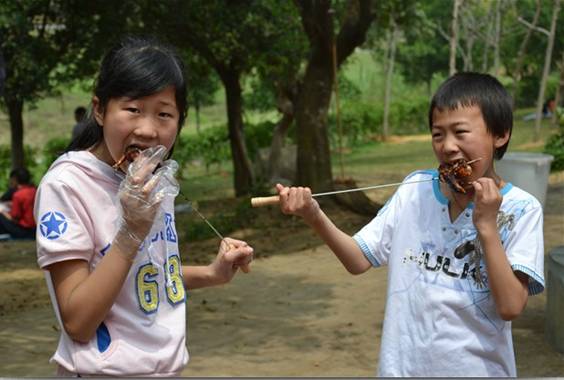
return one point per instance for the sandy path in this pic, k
(298, 314)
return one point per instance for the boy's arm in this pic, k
(298, 201)
(509, 289)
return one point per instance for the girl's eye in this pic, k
(132, 109)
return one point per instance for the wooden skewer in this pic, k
(265, 201)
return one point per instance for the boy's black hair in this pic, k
(79, 113)
(469, 89)
(21, 175)
(135, 67)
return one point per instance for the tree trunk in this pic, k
(314, 155)
(278, 137)
(390, 59)
(15, 111)
(243, 178)
(546, 69)
(497, 37)
(314, 159)
(487, 42)
(559, 91)
(453, 37)
(522, 52)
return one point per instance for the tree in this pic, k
(46, 43)
(453, 37)
(313, 99)
(546, 69)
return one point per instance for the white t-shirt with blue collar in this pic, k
(440, 317)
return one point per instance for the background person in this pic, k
(19, 222)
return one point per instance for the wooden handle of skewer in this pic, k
(265, 201)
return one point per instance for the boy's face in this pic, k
(462, 133)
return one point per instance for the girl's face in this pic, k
(462, 133)
(141, 123)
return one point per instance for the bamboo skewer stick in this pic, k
(265, 201)
(274, 199)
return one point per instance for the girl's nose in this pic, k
(146, 128)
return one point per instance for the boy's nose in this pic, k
(450, 145)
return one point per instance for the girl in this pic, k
(106, 235)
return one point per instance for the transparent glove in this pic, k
(140, 195)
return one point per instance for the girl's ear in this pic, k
(98, 111)
(501, 140)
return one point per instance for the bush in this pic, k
(555, 144)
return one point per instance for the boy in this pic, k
(461, 263)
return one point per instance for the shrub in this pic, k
(555, 144)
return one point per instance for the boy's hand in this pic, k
(232, 254)
(298, 201)
(487, 200)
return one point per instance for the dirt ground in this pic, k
(298, 313)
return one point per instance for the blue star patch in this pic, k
(53, 224)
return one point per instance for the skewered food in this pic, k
(456, 173)
(130, 155)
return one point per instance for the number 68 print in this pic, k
(147, 286)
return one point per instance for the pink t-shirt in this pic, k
(77, 213)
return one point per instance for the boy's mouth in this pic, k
(456, 174)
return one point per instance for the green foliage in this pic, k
(362, 121)
(555, 144)
(30, 162)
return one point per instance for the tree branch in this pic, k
(533, 27)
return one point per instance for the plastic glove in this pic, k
(140, 194)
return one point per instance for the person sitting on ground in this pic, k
(79, 116)
(19, 222)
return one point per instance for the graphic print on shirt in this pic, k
(53, 224)
(466, 260)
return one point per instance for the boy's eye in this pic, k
(165, 115)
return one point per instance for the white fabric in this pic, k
(440, 317)
(76, 209)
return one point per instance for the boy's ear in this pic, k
(97, 110)
(501, 140)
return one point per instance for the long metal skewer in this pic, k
(264, 201)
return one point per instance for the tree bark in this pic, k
(546, 69)
(559, 91)
(497, 37)
(15, 112)
(314, 158)
(243, 178)
(453, 37)
(390, 59)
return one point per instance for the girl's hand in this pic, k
(487, 200)
(298, 201)
(141, 193)
(232, 254)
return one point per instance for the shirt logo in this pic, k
(53, 224)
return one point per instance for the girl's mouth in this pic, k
(130, 154)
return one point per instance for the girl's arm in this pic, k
(85, 298)
(298, 201)
(509, 289)
(232, 254)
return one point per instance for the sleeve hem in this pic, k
(366, 251)
(536, 282)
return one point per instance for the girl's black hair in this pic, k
(468, 89)
(135, 67)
